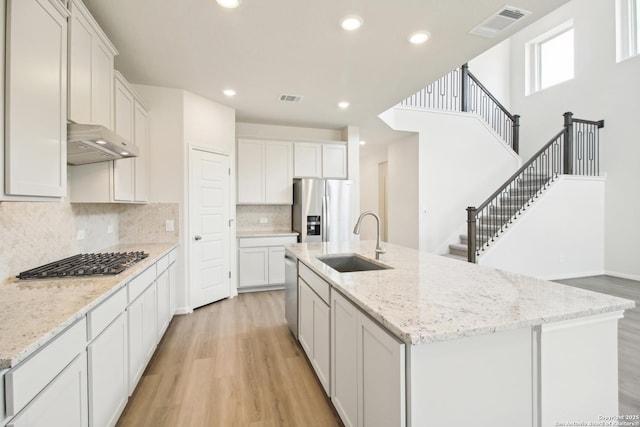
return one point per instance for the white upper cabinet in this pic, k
(334, 161)
(308, 160)
(123, 169)
(124, 180)
(90, 69)
(265, 172)
(35, 152)
(320, 160)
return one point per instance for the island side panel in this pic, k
(483, 380)
(579, 370)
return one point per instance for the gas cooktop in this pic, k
(108, 263)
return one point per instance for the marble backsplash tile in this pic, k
(36, 233)
(147, 223)
(248, 217)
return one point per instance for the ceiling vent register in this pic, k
(290, 98)
(499, 21)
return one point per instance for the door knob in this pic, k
(197, 237)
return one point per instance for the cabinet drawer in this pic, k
(27, 379)
(314, 281)
(162, 264)
(139, 283)
(173, 255)
(253, 242)
(100, 317)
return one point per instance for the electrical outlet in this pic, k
(169, 225)
(81, 235)
(264, 220)
(109, 229)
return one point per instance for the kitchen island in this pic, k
(475, 346)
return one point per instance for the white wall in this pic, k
(179, 119)
(403, 189)
(369, 191)
(601, 89)
(493, 69)
(561, 235)
(461, 162)
(257, 130)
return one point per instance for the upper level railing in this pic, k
(573, 151)
(461, 91)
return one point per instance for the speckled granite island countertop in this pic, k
(428, 298)
(34, 311)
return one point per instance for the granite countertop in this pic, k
(34, 311)
(265, 233)
(429, 298)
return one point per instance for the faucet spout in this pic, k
(356, 230)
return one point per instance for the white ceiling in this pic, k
(265, 48)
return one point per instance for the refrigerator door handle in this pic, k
(325, 219)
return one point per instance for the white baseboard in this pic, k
(183, 310)
(622, 275)
(574, 275)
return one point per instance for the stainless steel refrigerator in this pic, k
(322, 212)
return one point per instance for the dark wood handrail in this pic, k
(490, 95)
(519, 171)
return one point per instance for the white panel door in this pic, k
(209, 227)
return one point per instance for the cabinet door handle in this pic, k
(197, 237)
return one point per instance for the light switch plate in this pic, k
(169, 225)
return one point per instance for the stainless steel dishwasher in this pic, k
(291, 292)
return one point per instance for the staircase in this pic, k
(510, 205)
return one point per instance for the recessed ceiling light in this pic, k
(101, 142)
(229, 92)
(351, 22)
(343, 104)
(124, 153)
(363, 142)
(419, 37)
(229, 4)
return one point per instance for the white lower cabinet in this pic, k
(164, 305)
(313, 331)
(142, 324)
(108, 379)
(173, 286)
(261, 261)
(367, 370)
(62, 403)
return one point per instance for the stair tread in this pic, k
(456, 257)
(458, 246)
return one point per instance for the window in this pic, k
(550, 58)
(627, 29)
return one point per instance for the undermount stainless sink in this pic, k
(349, 263)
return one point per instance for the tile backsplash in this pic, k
(35, 233)
(248, 217)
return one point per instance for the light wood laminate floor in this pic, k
(231, 363)
(628, 336)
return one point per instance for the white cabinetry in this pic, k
(173, 281)
(261, 261)
(308, 160)
(90, 69)
(334, 161)
(314, 323)
(367, 369)
(142, 323)
(124, 180)
(265, 172)
(164, 303)
(50, 387)
(320, 160)
(33, 162)
(108, 379)
(62, 403)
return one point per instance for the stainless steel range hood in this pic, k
(96, 143)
